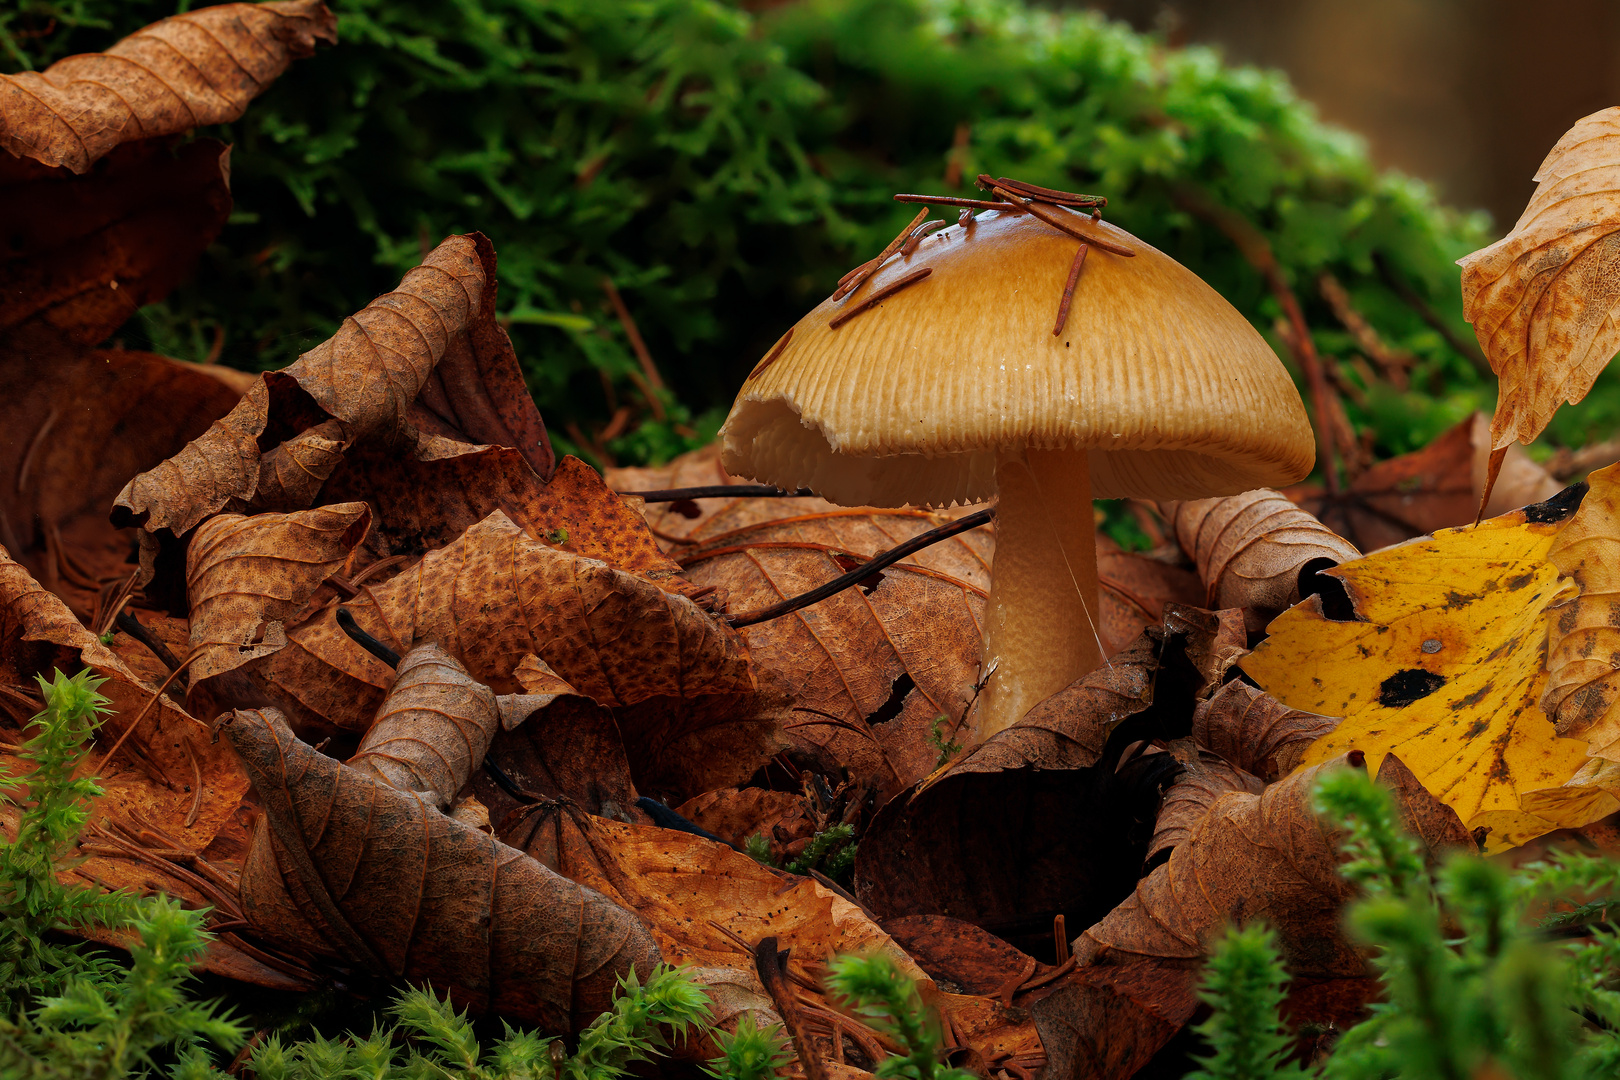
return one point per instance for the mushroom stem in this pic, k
(1040, 623)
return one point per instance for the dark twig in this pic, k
(346, 622)
(130, 625)
(718, 491)
(1068, 289)
(863, 571)
(770, 966)
(879, 295)
(1469, 350)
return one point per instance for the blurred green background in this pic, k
(722, 165)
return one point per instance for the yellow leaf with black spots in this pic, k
(1440, 660)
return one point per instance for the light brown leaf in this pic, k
(433, 729)
(496, 595)
(184, 72)
(1583, 640)
(1251, 549)
(783, 818)
(246, 577)
(1190, 797)
(1256, 732)
(343, 865)
(1544, 298)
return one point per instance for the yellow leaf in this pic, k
(1545, 299)
(1583, 646)
(1443, 666)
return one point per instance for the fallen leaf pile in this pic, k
(401, 695)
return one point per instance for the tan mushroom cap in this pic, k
(1171, 390)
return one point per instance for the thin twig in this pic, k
(1469, 350)
(769, 964)
(128, 731)
(132, 626)
(879, 295)
(717, 491)
(1068, 289)
(863, 571)
(346, 623)
(637, 345)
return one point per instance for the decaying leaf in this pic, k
(1255, 732)
(1583, 643)
(246, 577)
(1189, 798)
(1430, 489)
(345, 866)
(1133, 590)
(433, 730)
(1544, 299)
(782, 818)
(184, 72)
(1252, 549)
(1441, 662)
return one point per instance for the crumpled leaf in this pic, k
(433, 729)
(783, 818)
(1133, 590)
(1189, 798)
(84, 253)
(1583, 642)
(1255, 732)
(345, 866)
(183, 72)
(491, 598)
(246, 577)
(1253, 549)
(39, 634)
(1544, 298)
(870, 669)
(1434, 488)
(1252, 856)
(1049, 816)
(1440, 662)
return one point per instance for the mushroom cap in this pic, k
(1171, 390)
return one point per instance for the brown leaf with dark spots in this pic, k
(184, 72)
(496, 595)
(1434, 488)
(1251, 548)
(433, 730)
(78, 425)
(870, 669)
(1423, 815)
(1051, 816)
(571, 750)
(1543, 299)
(246, 577)
(1255, 732)
(290, 476)
(85, 252)
(1190, 797)
(343, 865)
(960, 956)
(783, 818)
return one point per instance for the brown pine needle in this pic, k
(146, 709)
(1064, 221)
(879, 296)
(1068, 289)
(865, 270)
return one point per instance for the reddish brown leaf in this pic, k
(1255, 732)
(1133, 591)
(433, 728)
(343, 865)
(959, 956)
(1425, 816)
(84, 253)
(1251, 548)
(570, 751)
(185, 72)
(1190, 797)
(246, 577)
(782, 817)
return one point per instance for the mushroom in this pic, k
(954, 386)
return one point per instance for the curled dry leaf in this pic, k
(1189, 798)
(1252, 549)
(39, 634)
(1255, 732)
(184, 72)
(870, 669)
(345, 866)
(78, 427)
(1251, 856)
(1434, 488)
(84, 253)
(562, 753)
(433, 729)
(246, 577)
(1047, 817)
(1583, 643)
(1544, 299)
(1440, 661)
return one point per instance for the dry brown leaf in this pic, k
(572, 752)
(421, 895)
(1252, 549)
(1434, 488)
(1256, 732)
(246, 577)
(1133, 590)
(1190, 797)
(433, 729)
(185, 72)
(1544, 298)
(1047, 817)
(783, 818)
(1583, 641)
(495, 596)
(38, 634)
(84, 253)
